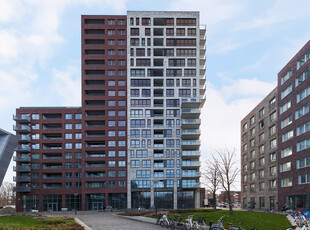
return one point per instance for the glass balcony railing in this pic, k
(190, 142)
(190, 132)
(22, 189)
(191, 121)
(21, 118)
(190, 185)
(190, 153)
(21, 168)
(190, 163)
(24, 139)
(22, 158)
(188, 110)
(197, 174)
(21, 128)
(23, 148)
(21, 178)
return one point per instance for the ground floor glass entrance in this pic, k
(95, 202)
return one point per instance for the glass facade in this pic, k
(30, 202)
(95, 202)
(185, 199)
(118, 200)
(140, 199)
(73, 202)
(163, 200)
(52, 202)
(298, 201)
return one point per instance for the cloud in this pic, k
(225, 108)
(67, 84)
(212, 11)
(280, 11)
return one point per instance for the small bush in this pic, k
(54, 220)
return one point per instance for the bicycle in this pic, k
(202, 224)
(190, 223)
(218, 225)
(165, 222)
(177, 223)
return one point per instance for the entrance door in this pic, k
(97, 205)
(52, 206)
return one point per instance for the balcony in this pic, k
(190, 153)
(21, 168)
(191, 175)
(21, 118)
(202, 71)
(191, 103)
(190, 144)
(191, 185)
(190, 113)
(190, 132)
(24, 139)
(202, 89)
(202, 29)
(190, 123)
(22, 189)
(23, 148)
(190, 164)
(21, 178)
(22, 158)
(52, 166)
(202, 41)
(21, 128)
(202, 79)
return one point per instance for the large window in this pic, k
(302, 111)
(286, 182)
(287, 136)
(304, 144)
(286, 152)
(286, 91)
(303, 162)
(285, 167)
(304, 179)
(285, 106)
(302, 77)
(303, 60)
(287, 121)
(303, 94)
(303, 128)
(286, 76)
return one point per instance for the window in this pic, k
(35, 156)
(143, 173)
(273, 116)
(287, 136)
(252, 154)
(121, 133)
(137, 123)
(121, 123)
(111, 93)
(121, 143)
(35, 126)
(135, 143)
(273, 170)
(121, 163)
(78, 136)
(68, 145)
(261, 186)
(303, 60)
(261, 113)
(303, 94)
(146, 164)
(304, 144)
(35, 136)
(68, 155)
(287, 121)
(261, 149)
(68, 116)
(272, 103)
(302, 111)
(286, 91)
(68, 165)
(111, 143)
(245, 147)
(273, 143)
(272, 130)
(261, 137)
(146, 133)
(272, 157)
(285, 167)
(304, 179)
(78, 126)
(245, 127)
(286, 152)
(273, 184)
(78, 155)
(252, 120)
(302, 77)
(303, 162)
(252, 176)
(285, 107)
(287, 182)
(136, 113)
(121, 153)
(252, 165)
(252, 132)
(286, 76)
(35, 116)
(303, 128)
(135, 164)
(68, 126)
(35, 146)
(111, 123)
(111, 163)
(111, 133)
(244, 178)
(262, 161)
(78, 145)
(245, 168)
(78, 116)
(261, 173)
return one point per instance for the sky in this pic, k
(248, 43)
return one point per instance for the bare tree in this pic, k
(212, 178)
(228, 171)
(7, 195)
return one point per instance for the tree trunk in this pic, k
(229, 202)
(214, 200)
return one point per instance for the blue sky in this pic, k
(248, 42)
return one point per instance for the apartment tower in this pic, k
(258, 155)
(134, 142)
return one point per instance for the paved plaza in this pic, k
(109, 221)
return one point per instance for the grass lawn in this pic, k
(244, 219)
(27, 222)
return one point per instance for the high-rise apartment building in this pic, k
(258, 155)
(294, 131)
(292, 138)
(134, 142)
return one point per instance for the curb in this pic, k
(77, 220)
(140, 218)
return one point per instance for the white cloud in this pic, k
(67, 85)
(212, 11)
(225, 108)
(280, 11)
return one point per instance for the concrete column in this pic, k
(152, 195)
(175, 196)
(197, 198)
(129, 195)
